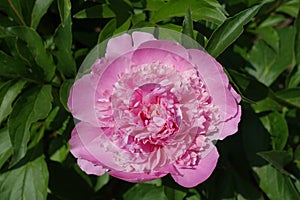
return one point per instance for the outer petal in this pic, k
(118, 46)
(81, 101)
(111, 74)
(166, 45)
(141, 37)
(192, 177)
(136, 177)
(90, 168)
(91, 144)
(219, 88)
(141, 56)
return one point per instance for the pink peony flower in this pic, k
(151, 108)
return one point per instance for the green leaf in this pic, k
(269, 65)
(262, 62)
(272, 20)
(266, 104)
(37, 48)
(33, 105)
(193, 194)
(295, 77)
(11, 67)
(27, 182)
(279, 159)
(39, 9)
(187, 26)
(101, 181)
(7, 95)
(270, 36)
(153, 5)
(123, 27)
(290, 96)
(289, 7)
(98, 11)
(297, 39)
(229, 31)
(64, 7)
(64, 92)
(250, 88)
(16, 11)
(37, 131)
(174, 194)
(107, 30)
(209, 10)
(59, 149)
(122, 9)
(276, 185)
(63, 42)
(144, 191)
(5, 146)
(277, 126)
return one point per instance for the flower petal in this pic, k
(141, 56)
(136, 177)
(91, 144)
(141, 37)
(90, 168)
(118, 46)
(219, 88)
(192, 177)
(82, 106)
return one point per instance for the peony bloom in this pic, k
(151, 108)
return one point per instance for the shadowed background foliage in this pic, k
(43, 43)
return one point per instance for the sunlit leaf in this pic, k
(39, 9)
(28, 182)
(187, 26)
(145, 192)
(63, 41)
(277, 126)
(5, 146)
(200, 10)
(101, 182)
(276, 185)
(64, 7)
(291, 96)
(7, 95)
(229, 31)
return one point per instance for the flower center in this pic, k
(156, 111)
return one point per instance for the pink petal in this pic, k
(90, 168)
(141, 56)
(118, 46)
(112, 72)
(81, 101)
(136, 177)
(219, 88)
(166, 45)
(141, 37)
(192, 177)
(90, 143)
